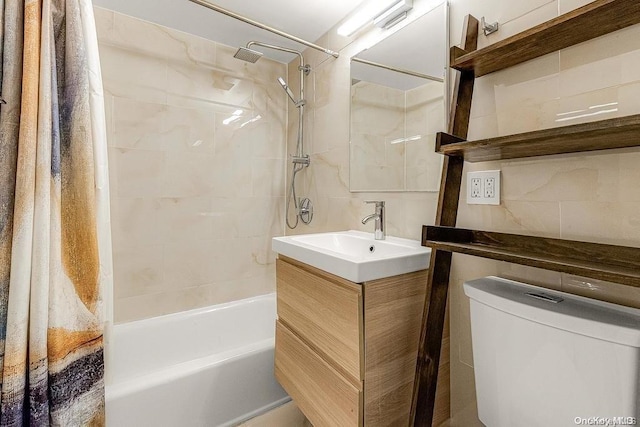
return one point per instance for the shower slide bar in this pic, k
(399, 70)
(264, 27)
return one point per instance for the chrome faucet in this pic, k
(379, 217)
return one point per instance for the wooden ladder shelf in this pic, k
(605, 262)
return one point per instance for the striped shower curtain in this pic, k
(54, 223)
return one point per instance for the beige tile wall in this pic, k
(196, 194)
(593, 196)
(380, 116)
(377, 118)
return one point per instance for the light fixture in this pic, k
(394, 14)
(381, 11)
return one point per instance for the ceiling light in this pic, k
(394, 14)
(389, 9)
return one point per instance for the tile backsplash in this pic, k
(196, 152)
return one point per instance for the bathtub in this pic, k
(205, 367)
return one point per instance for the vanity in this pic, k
(349, 316)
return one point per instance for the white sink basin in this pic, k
(355, 255)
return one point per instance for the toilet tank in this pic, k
(548, 358)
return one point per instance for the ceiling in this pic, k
(307, 19)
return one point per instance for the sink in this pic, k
(355, 255)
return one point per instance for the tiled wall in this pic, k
(588, 196)
(425, 117)
(377, 119)
(196, 152)
(381, 118)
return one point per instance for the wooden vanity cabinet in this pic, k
(346, 352)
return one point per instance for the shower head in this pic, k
(286, 88)
(248, 55)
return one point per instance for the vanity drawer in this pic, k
(323, 395)
(325, 311)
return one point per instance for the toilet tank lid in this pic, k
(580, 315)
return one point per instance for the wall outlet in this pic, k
(476, 188)
(489, 188)
(483, 188)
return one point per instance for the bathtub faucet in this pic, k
(379, 233)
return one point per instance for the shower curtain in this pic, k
(54, 222)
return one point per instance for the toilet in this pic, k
(547, 358)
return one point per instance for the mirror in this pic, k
(397, 106)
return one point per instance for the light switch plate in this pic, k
(483, 188)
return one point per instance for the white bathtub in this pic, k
(206, 367)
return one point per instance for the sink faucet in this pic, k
(379, 217)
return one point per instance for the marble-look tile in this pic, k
(630, 62)
(616, 223)
(603, 52)
(138, 124)
(198, 87)
(129, 74)
(367, 149)
(483, 102)
(520, 217)
(197, 263)
(332, 127)
(420, 209)
(520, 106)
(190, 174)
(483, 127)
(188, 230)
(562, 178)
(423, 165)
(331, 173)
(268, 178)
(600, 290)
(332, 82)
(184, 219)
(188, 129)
(586, 107)
(627, 99)
(136, 222)
(591, 76)
(533, 276)
(628, 188)
(155, 40)
(166, 302)
(143, 37)
(138, 172)
(137, 270)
